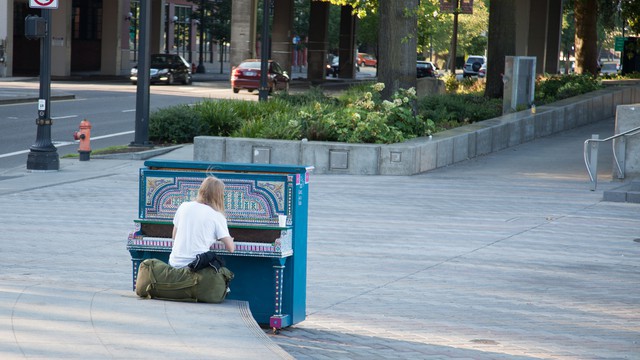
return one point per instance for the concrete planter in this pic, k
(422, 154)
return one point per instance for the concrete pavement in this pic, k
(506, 256)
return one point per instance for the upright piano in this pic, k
(270, 260)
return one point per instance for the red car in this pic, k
(247, 76)
(366, 60)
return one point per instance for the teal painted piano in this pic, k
(270, 260)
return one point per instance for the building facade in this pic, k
(98, 36)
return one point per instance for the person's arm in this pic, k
(228, 243)
(173, 234)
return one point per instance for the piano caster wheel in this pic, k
(276, 331)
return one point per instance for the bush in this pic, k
(448, 109)
(557, 87)
(175, 125)
(218, 118)
(358, 115)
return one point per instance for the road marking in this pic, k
(113, 135)
(66, 143)
(131, 110)
(64, 117)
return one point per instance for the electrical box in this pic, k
(35, 27)
(519, 83)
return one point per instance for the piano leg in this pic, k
(278, 320)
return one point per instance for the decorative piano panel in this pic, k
(248, 201)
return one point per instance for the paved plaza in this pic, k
(506, 256)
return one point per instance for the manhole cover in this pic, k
(484, 341)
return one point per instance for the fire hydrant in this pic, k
(84, 135)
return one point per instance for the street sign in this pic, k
(619, 44)
(449, 6)
(43, 4)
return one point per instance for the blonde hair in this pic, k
(211, 193)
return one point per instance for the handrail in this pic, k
(587, 158)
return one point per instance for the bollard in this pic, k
(84, 135)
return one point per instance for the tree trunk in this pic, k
(586, 13)
(502, 42)
(397, 45)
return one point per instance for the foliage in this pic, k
(357, 115)
(556, 87)
(451, 83)
(214, 18)
(448, 110)
(218, 117)
(176, 124)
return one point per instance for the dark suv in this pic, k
(473, 65)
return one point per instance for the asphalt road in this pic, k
(110, 107)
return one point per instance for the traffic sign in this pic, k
(43, 4)
(619, 44)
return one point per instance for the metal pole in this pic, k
(43, 156)
(454, 39)
(201, 69)
(142, 91)
(593, 161)
(263, 92)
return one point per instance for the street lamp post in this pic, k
(43, 155)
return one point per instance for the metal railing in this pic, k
(619, 149)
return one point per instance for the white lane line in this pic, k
(132, 110)
(66, 143)
(112, 135)
(64, 117)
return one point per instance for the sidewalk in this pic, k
(507, 256)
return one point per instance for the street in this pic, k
(109, 106)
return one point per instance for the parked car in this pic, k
(425, 69)
(483, 71)
(472, 65)
(609, 68)
(166, 68)
(247, 76)
(365, 59)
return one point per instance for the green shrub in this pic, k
(557, 87)
(357, 115)
(313, 95)
(277, 121)
(218, 118)
(176, 125)
(451, 83)
(461, 108)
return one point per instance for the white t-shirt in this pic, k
(198, 227)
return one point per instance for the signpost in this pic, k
(43, 155)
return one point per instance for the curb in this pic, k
(139, 155)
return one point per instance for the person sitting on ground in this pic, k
(198, 224)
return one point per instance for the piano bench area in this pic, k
(270, 260)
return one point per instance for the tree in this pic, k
(502, 41)
(397, 45)
(396, 39)
(586, 42)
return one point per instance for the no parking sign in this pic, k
(43, 4)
